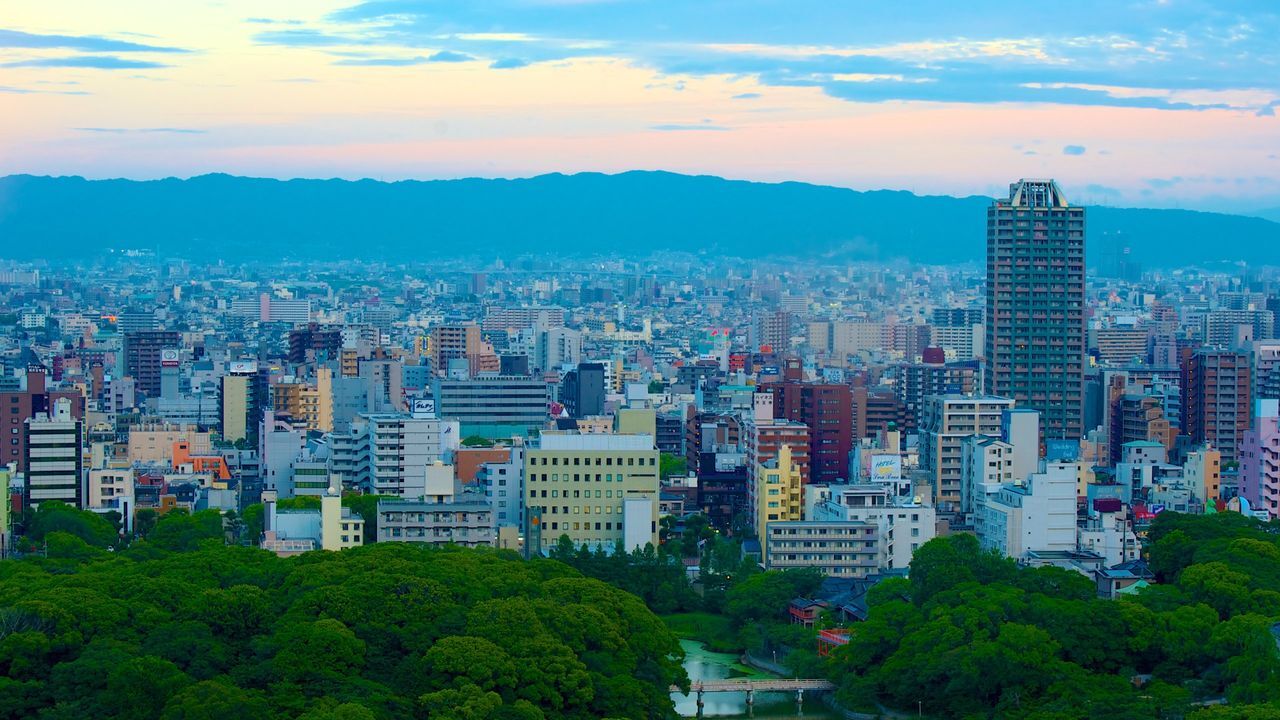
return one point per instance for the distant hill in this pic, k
(588, 213)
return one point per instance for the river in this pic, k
(702, 664)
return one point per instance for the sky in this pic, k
(1157, 103)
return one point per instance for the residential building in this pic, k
(1037, 514)
(777, 492)
(1216, 393)
(142, 357)
(838, 548)
(947, 421)
(1260, 460)
(1035, 339)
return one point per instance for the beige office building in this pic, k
(597, 489)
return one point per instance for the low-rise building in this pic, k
(838, 548)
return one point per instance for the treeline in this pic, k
(179, 626)
(734, 607)
(973, 635)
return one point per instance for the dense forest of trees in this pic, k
(179, 626)
(971, 634)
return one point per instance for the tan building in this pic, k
(1203, 472)
(153, 444)
(777, 492)
(947, 421)
(596, 489)
(454, 342)
(310, 405)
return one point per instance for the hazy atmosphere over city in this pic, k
(1152, 103)
(639, 359)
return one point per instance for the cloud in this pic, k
(508, 63)
(271, 21)
(745, 96)
(306, 37)
(96, 62)
(678, 127)
(1149, 55)
(1095, 189)
(29, 91)
(382, 61)
(86, 43)
(1073, 150)
(1163, 183)
(112, 130)
(449, 56)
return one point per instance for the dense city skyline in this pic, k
(1139, 104)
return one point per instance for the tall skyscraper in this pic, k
(1035, 340)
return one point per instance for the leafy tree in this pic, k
(55, 516)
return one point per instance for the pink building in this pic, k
(1260, 459)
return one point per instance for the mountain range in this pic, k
(631, 213)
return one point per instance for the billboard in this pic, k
(169, 358)
(422, 407)
(886, 468)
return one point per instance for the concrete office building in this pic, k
(54, 458)
(1035, 339)
(582, 390)
(503, 484)
(596, 489)
(494, 407)
(467, 524)
(827, 410)
(239, 404)
(776, 492)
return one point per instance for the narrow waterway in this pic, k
(702, 664)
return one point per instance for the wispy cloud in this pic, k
(95, 62)
(118, 130)
(86, 43)
(381, 61)
(508, 63)
(449, 56)
(1073, 150)
(1151, 55)
(746, 96)
(679, 127)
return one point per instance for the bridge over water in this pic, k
(751, 686)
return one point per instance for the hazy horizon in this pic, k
(1145, 104)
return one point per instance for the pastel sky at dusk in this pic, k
(1126, 102)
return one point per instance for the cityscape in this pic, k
(589, 431)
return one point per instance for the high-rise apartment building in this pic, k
(143, 351)
(1216, 392)
(827, 408)
(1035, 339)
